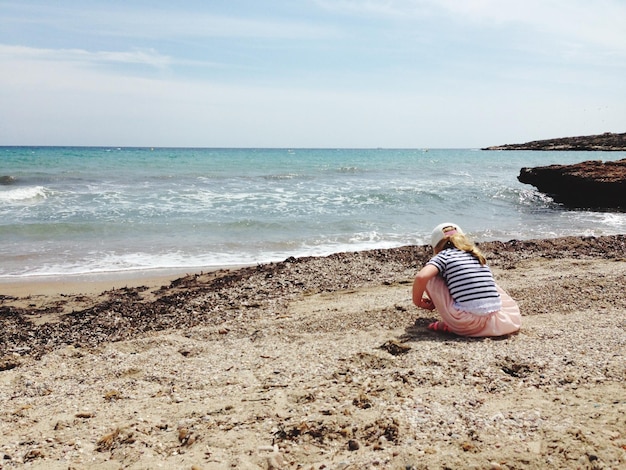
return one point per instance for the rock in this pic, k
(590, 184)
(7, 179)
(395, 347)
(608, 142)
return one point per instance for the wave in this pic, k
(92, 263)
(21, 195)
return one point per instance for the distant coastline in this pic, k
(607, 142)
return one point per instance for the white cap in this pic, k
(445, 230)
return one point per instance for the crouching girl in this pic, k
(459, 284)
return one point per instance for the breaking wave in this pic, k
(23, 195)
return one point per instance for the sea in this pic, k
(93, 211)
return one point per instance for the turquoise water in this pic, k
(97, 210)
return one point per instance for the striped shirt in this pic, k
(471, 284)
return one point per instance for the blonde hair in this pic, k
(461, 242)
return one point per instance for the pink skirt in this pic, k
(503, 322)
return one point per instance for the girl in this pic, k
(459, 284)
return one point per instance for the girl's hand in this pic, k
(418, 294)
(426, 303)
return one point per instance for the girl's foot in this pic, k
(439, 326)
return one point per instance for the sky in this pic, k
(310, 73)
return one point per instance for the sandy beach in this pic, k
(318, 363)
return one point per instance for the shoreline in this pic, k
(324, 363)
(75, 307)
(97, 283)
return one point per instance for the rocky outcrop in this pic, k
(590, 184)
(602, 142)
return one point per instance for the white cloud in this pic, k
(147, 57)
(180, 24)
(441, 92)
(386, 8)
(156, 22)
(74, 105)
(600, 23)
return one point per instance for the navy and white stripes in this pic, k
(471, 284)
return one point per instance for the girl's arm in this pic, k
(419, 286)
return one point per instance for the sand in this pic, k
(319, 363)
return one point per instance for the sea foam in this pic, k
(26, 194)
